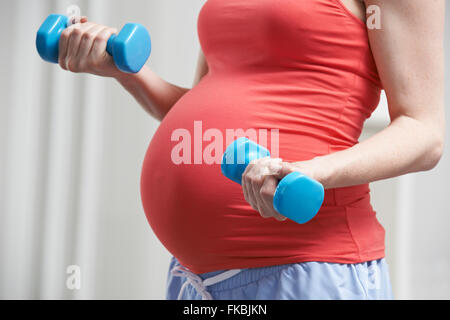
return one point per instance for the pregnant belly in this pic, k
(200, 216)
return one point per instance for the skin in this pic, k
(409, 54)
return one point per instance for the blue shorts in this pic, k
(297, 281)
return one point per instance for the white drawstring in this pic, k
(197, 282)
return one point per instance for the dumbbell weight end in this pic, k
(47, 38)
(130, 48)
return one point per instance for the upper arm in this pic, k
(202, 68)
(409, 54)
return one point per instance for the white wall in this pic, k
(71, 149)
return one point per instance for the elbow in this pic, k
(434, 153)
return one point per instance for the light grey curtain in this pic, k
(71, 150)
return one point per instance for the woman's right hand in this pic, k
(82, 49)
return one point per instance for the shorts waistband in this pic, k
(243, 278)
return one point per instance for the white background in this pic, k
(71, 150)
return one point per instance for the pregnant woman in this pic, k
(311, 71)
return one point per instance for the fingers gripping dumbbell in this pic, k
(130, 48)
(297, 197)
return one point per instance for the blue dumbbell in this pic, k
(130, 48)
(297, 196)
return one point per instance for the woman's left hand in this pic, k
(261, 177)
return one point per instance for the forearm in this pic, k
(154, 94)
(406, 145)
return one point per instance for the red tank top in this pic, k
(302, 67)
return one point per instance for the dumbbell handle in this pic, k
(297, 197)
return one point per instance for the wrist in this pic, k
(320, 169)
(325, 169)
(124, 77)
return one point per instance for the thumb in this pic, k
(286, 168)
(74, 20)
